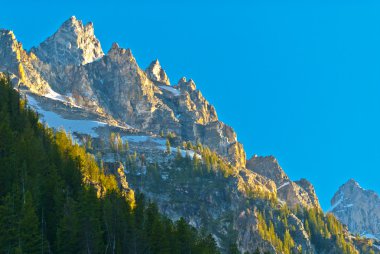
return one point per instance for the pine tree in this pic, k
(168, 148)
(68, 229)
(178, 155)
(8, 225)
(126, 146)
(119, 142)
(30, 238)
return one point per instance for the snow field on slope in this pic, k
(56, 121)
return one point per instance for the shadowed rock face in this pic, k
(358, 208)
(293, 193)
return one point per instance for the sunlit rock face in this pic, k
(73, 44)
(157, 74)
(15, 61)
(72, 63)
(300, 192)
(357, 208)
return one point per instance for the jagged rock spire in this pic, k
(156, 73)
(15, 60)
(183, 84)
(73, 44)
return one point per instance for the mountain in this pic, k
(357, 208)
(167, 142)
(55, 199)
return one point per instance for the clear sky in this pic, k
(298, 81)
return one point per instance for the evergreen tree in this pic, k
(126, 146)
(168, 148)
(30, 237)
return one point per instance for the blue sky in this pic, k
(295, 80)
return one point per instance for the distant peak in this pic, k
(352, 182)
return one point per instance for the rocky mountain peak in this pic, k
(15, 61)
(10, 51)
(73, 44)
(269, 167)
(120, 54)
(292, 192)
(157, 74)
(7, 33)
(358, 208)
(351, 183)
(185, 85)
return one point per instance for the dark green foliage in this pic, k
(210, 164)
(55, 199)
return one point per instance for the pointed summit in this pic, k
(189, 86)
(73, 44)
(352, 182)
(121, 55)
(156, 73)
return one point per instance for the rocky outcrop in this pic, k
(157, 74)
(293, 193)
(73, 44)
(309, 188)
(14, 60)
(357, 208)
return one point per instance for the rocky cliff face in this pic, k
(157, 74)
(357, 208)
(293, 193)
(18, 63)
(72, 63)
(73, 44)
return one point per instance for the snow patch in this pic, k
(143, 139)
(336, 203)
(369, 236)
(55, 96)
(174, 91)
(160, 144)
(56, 121)
(183, 152)
(283, 185)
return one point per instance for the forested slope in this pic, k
(55, 199)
